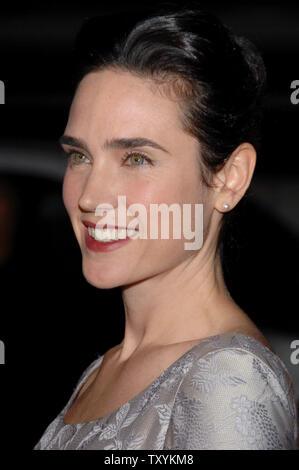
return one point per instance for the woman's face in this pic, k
(108, 106)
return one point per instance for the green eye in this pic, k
(75, 158)
(78, 157)
(136, 159)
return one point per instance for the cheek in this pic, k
(155, 191)
(169, 191)
(155, 215)
(70, 193)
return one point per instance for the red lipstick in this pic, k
(97, 246)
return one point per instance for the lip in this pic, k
(98, 246)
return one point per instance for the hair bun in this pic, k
(254, 62)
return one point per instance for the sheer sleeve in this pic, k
(232, 399)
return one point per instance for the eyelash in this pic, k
(69, 155)
(139, 154)
(124, 158)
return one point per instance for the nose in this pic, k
(100, 187)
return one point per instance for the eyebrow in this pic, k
(123, 143)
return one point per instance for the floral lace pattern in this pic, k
(227, 392)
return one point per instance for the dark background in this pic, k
(53, 323)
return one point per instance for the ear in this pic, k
(232, 181)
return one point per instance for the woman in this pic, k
(169, 116)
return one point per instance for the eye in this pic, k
(75, 157)
(137, 158)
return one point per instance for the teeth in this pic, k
(107, 235)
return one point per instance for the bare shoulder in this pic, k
(236, 320)
(253, 331)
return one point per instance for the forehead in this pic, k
(108, 99)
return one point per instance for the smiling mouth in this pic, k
(110, 234)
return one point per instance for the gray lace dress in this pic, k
(227, 392)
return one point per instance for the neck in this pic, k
(179, 305)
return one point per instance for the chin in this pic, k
(103, 277)
(101, 283)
